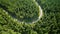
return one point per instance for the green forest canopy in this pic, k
(22, 10)
(48, 24)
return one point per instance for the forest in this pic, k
(16, 17)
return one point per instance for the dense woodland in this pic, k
(48, 24)
(23, 10)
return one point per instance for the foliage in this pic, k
(51, 21)
(48, 24)
(21, 10)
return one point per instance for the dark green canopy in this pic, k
(22, 10)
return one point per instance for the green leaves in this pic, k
(22, 10)
(13, 11)
(50, 9)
